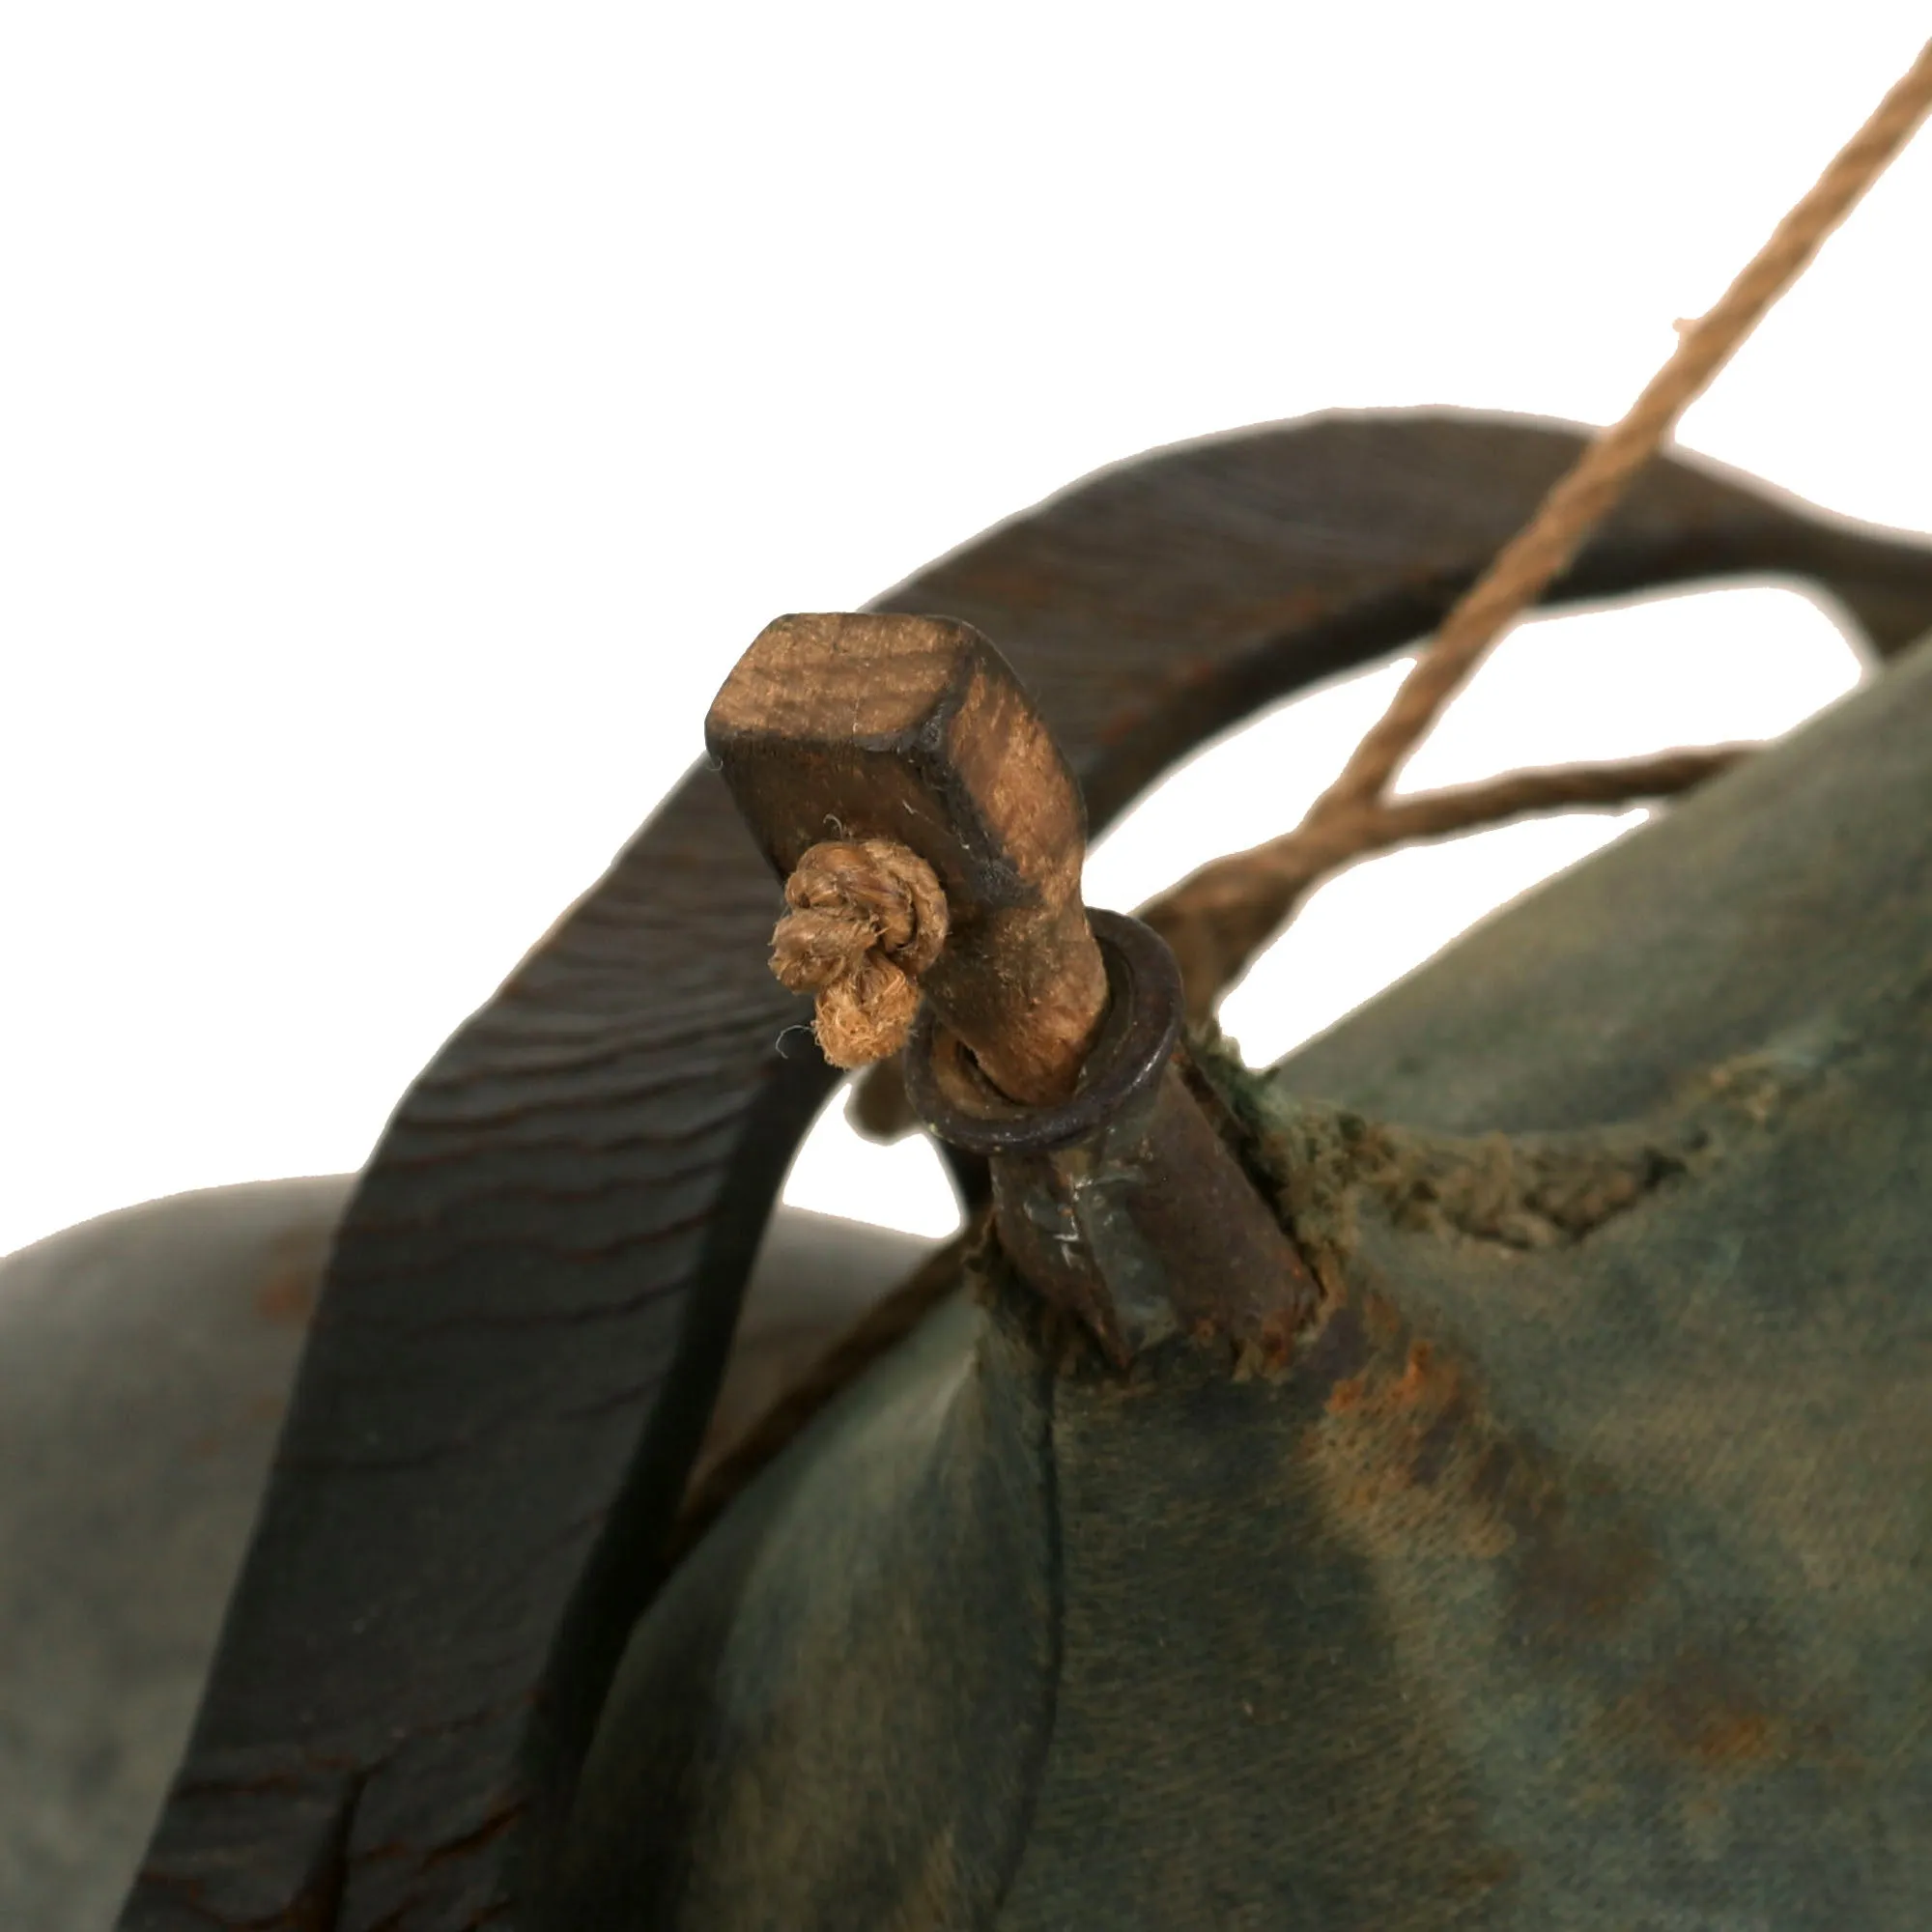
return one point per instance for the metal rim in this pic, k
(1137, 1038)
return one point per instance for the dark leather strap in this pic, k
(534, 1288)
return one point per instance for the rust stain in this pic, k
(1418, 1376)
(1700, 1711)
(291, 1277)
(1405, 1454)
(1584, 1570)
(1734, 1737)
(287, 1298)
(1270, 1352)
(1412, 1460)
(1348, 1395)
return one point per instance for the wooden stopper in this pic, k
(916, 729)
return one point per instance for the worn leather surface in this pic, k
(146, 1359)
(534, 1287)
(876, 1627)
(1574, 1576)
(145, 1364)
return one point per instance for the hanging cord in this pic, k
(1221, 916)
(1353, 817)
(1219, 919)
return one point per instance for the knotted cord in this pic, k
(867, 918)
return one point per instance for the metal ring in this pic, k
(1137, 1037)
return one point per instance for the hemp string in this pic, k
(1218, 919)
(1352, 816)
(1223, 914)
(867, 918)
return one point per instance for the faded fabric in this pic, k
(836, 1713)
(1577, 1574)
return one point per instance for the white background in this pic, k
(408, 412)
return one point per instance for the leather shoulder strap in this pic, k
(533, 1290)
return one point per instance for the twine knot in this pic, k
(867, 918)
